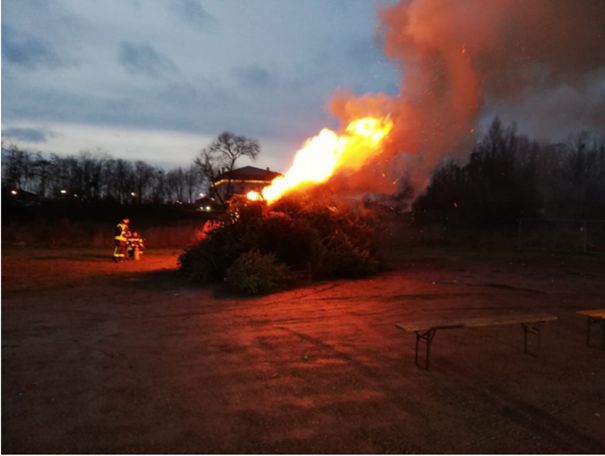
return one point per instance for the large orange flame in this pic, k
(323, 154)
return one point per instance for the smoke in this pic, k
(461, 59)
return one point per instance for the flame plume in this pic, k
(322, 155)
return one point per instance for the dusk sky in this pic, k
(158, 80)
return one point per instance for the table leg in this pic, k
(531, 329)
(427, 338)
(597, 322)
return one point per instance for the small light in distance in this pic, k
(133, 194)
(63, 191)
(14, 192)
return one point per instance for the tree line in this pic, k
(93, 177)
(507, 176)
(510, 176)
(89, 177)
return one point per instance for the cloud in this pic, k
(253, 77)
(162, 147)
(27, 134)
(147, 65)
(144, 59)
(192, 12)
(26, 51)
(159, 146)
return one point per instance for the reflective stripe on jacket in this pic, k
(121, 229)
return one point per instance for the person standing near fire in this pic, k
(121, 240)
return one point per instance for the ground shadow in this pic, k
(159, 279)
(80, 257)
(93, 256)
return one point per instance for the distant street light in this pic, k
(202, 195)
(63, 191)
(133, 194)
(14, 192)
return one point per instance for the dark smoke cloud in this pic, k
(461, 59)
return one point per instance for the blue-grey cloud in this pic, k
(27, 134)
(254, 76)
(143, 59)
(161, 65)
(26, 51)
(192, 12)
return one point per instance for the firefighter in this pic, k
(121, 240)
(135, 246)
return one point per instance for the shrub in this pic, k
(337, 256)
(313, 238)
(291, 239)
(256, 273)
(342, 243)
(208, 260)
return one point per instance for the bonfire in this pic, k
(294, 228)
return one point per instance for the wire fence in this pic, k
(577, 235)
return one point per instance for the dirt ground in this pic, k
(99, 357)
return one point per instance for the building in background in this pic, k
(240, 181)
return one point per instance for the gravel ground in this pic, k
(119, 358)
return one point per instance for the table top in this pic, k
(595, 313)
(474, 322)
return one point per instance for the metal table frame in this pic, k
(595, 321)
(426, 334)
(425, 337)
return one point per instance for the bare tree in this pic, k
(193, 181)
(175, 180)
(42, 169)
(17, 166)
(123, 179)
(158, 187)
(222, 154)
(143, 176)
